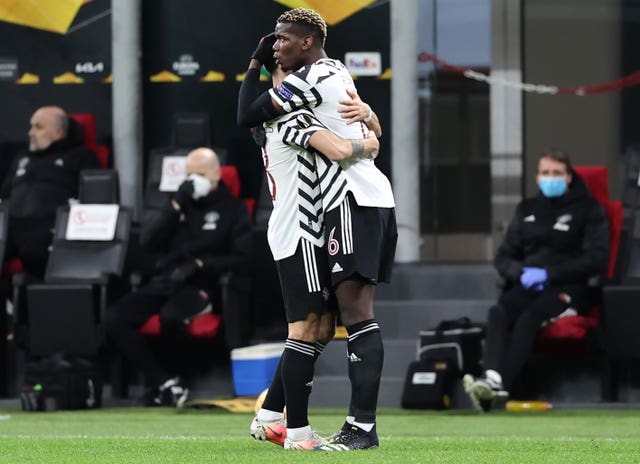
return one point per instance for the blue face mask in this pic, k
(552, 187)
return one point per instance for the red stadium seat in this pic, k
(88, 123)
(569, 335)
(204, 326)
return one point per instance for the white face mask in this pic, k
(201, 185)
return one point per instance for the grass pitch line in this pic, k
(382, 438)
(116, 437)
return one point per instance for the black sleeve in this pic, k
(5, 190)
(510, 255)
(158, 228)
(253, 108)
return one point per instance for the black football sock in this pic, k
(298, 359)
(366, 355)
(274, 401)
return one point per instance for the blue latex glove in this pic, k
(533, 277)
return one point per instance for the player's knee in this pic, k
(357, 313)
(325, 334)
(306, 330)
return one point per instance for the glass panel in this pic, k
(454, 126)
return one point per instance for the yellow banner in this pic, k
(332, 11)
(48, 15)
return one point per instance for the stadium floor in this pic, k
(159, 435)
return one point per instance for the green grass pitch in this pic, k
(160, 435)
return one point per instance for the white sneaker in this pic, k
(171, 393)
(273, 431)
(311, 443)
(482, 392)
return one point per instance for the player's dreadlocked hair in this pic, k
(309, 19)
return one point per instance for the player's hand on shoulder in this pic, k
(354, 109)
(372, 139)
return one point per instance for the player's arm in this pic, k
(354, 110)
(337, 149)
(255, 107)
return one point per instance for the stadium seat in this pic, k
(88, 123)
(77, 270)
(154, 198)
(575, 334)
(233, 287)
(74, 289)
(99, 186)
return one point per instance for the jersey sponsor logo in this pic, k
(336, 268)
(530, 218)
(22, 166)
(333, 246)
(562, 223)
(284, 92)
(211, 220)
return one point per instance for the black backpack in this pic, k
(460, 339)
(444, 355)
(56, 383)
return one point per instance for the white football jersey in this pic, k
(293, 184)
(321, 86)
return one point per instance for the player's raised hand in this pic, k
(264, 51)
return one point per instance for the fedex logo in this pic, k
(363, 63)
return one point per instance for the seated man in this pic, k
(202, 233)
(555, 242)
(41, 180)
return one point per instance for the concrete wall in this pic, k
(570, 44)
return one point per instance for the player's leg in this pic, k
(485, 389)
(305, 288)
(361, 246)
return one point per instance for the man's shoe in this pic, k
(171, 393)
(312, 442)
(345, 427)
(352, 438)
(482, 392)
(273, 431)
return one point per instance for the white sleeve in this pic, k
(299, 129)
(296, 91)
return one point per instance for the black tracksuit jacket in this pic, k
(216, 229)
(38, 183)
(568, 236)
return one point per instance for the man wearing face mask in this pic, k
(554, 244)
(203, 232)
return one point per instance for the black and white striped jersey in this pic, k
(294, 186)
(321, 86)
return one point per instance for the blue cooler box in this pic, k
(253, 367)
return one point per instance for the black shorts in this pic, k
(361, 242)
(305, 282)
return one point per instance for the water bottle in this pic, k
(517, 406)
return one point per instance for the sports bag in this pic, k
(444, 355)
(465, 339)
(55, 383)
(429, 382)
